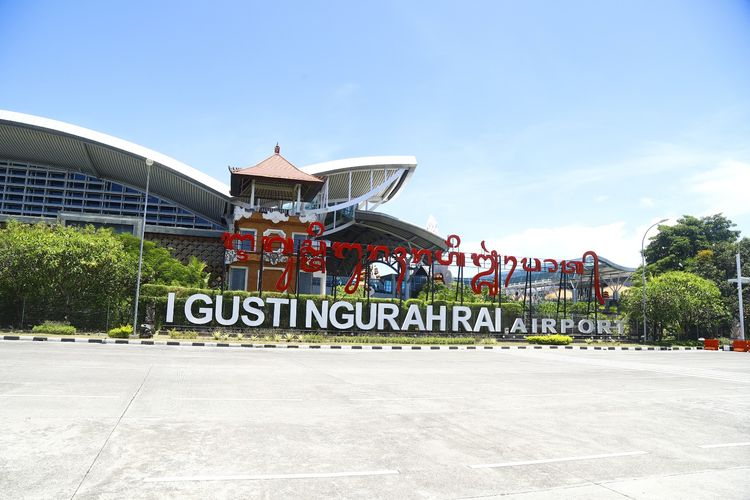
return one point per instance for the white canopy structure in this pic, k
(56, 144)
(365, 182)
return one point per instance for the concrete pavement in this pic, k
(132, 421)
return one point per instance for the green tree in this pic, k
(63, 273)
(160, 268)
(707, 247)
(679, 303)
(676, 248)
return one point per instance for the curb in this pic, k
(387, 347)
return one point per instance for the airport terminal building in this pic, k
(54, 171)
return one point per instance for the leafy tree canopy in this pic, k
(160, 268)
(62, 269)
(678, 302)
(707, 247)
(677, 247)
(79, 274)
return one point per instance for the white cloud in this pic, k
(615, 241)
(653, 160)
(601, 198)
(612, 241)
(646, 202)
(724, 188)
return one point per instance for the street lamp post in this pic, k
(643, 267)
(741, 280)
(739, 297)
(149, 164)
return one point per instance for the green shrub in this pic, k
(549, 339)
(367, 339)
(591, 341)
(175, 334)
(54, 328)
(121, 332)
(671, 340)
(417, 302)
(220, 335)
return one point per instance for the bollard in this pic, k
(711, 344)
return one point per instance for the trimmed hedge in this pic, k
(54, 328)
(121, 332)
(368, 339)
(174, 334)
(550, 339)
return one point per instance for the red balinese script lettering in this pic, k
(312, 254)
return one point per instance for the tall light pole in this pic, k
(643, 266)
(149, 163)
(741, 280)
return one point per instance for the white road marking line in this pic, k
(724, 445)
(406, 399)
(54, 396)
(553, 460)
(238, 399)
(595, 393)
(270, 476)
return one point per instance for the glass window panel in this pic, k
(245, 245)
(237, 278)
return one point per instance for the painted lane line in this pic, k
(238, 399)
(554, 460)
(724, 445)
(320, 475)
(54, 396)
(406, 399)
(595, 393)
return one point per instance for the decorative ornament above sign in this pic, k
(275, 257)
(275, 216)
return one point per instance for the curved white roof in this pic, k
(360, 162)
(56, 144)
(376, 179)
(117, 143)
(53, 143)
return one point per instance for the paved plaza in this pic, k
(136, 421)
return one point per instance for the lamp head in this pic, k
(149, 162)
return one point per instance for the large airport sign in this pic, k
(201, 309)
(312, 255)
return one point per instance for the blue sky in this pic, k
(547, 128)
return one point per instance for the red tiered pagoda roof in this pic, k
(275, 170)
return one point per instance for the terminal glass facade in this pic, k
(29, 190)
